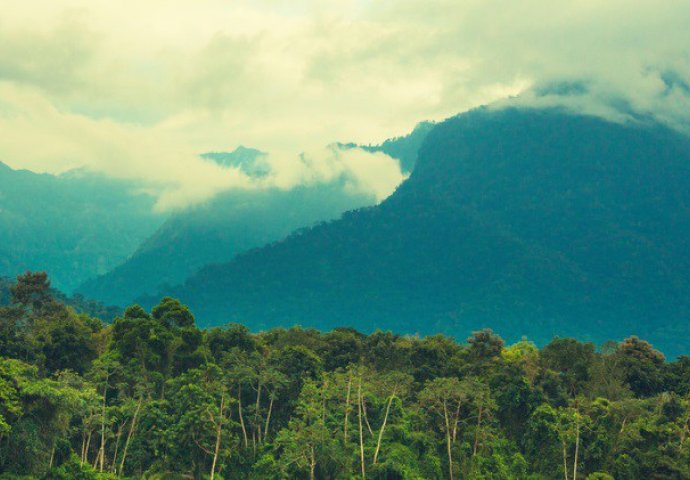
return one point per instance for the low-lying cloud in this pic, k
(139, 89)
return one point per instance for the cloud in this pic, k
(139, 89)
(357, 170)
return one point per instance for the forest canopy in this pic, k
(153, 396)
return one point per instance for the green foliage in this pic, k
(73, 470)
(151, 396)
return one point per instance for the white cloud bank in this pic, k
(137, 89)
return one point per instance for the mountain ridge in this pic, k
(234, 222)
(45, 224)
(508, 238)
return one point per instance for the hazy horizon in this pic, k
(139, 89)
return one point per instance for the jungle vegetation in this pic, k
(153, 396)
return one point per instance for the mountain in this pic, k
(404, 148)
(531, 222)
(76, 225)
(249, 160)
(231, 223)
(235, 222)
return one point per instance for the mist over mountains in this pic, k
(328, 240)
(76, 225)
(236, 221)
(533, 222)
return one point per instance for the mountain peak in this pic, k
(249, 160)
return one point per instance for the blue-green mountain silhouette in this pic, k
(531, 222)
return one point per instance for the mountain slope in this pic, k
(235, 222)
(231, 223)
(532, 222)
(74, 225)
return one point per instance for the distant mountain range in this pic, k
(100, 236)
(532, 222)
(76, 225)
(235, 222)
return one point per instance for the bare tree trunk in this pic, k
(347, 406)
(257, 417)
(239, 411)
(117, 444)
(83, 448)
(52, 456)
(366, 417)
(88, 446)
(268, 417)
(361, 430)
(312, 464)
(219, 431)
(101, 451)
(476, 432)
(577, 444)
(132, 427)
(685, 432)
(456, 421)
(324, 389)
(565, 460)
(448, 440)
(383, 427)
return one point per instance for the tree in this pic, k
(444, 397)
(65, 341)
(643, 366)
(572, 360)
(32, 291)
(395, 385)
(484, 345)
(607, 376)
(201, 400)
(307, 441)
(103, 369)
(173, 313)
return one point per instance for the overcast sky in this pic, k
(138, 88)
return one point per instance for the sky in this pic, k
(139, 88)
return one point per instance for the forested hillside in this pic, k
(236, 221)
(152, 396)
(536, 222)
(231, 223)
(77, 225)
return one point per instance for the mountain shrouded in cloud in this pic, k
(236, 221)
(534, 222)
(81, 224)
(141, 102)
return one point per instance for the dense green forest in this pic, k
(153, 396)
